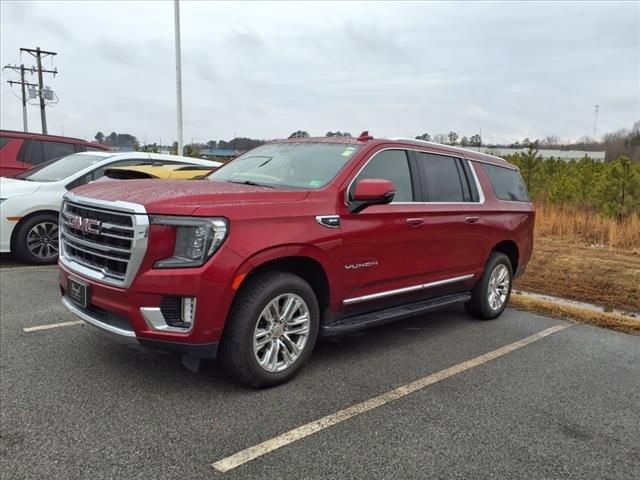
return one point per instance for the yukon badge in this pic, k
(355, 266)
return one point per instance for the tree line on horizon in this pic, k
(614, 144)
(611, 188)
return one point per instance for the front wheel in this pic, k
(491, 294)
(271, 330)
(36, 239)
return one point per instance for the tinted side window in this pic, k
(53, 150)
(441, 179)
(31, 152)
(507, 183)
(3, 142)
(473, 187)
(392, 165)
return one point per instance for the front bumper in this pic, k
(125, 311)
(6, 230)
(199, 350)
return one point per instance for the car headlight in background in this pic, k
(196, 239)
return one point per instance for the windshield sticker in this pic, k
(315, 183)
(348, 151)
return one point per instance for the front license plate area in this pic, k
(78, 292)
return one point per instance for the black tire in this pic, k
(479, 306)
(20, 247)
(236, 353)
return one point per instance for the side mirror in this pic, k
(371, 191)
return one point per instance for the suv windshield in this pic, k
(60, 168)
(294, 165)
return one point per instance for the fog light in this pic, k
(188, 310)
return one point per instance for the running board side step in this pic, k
(358, 322)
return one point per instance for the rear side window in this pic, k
(31, 152)
(36, 152)
(443, 179)
(507, 183)
(3, 142)
(51, 150)
(392, 165)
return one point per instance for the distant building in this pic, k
(544, 153)
(220, 154)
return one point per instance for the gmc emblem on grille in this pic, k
(88, 225)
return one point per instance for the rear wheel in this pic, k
(36, 239)
(271, 331)
(491, 294)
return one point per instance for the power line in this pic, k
(22, 83)
(38, 54)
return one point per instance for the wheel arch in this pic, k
(510, 249)
(26, 218)
(308, 262)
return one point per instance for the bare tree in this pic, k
(440, 138)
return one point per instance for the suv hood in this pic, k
(183, 197)
(12, 187)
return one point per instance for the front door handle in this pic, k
(472, 219)
(415, 221)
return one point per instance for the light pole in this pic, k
(595, 122)
(176, 17)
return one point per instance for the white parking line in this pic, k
(52, 325)
(251, 453)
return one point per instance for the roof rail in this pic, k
(434, 144)
(43, 135)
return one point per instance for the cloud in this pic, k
(117, 51)
(393, 68)
(245, 38)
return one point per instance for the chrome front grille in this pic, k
(103, 240)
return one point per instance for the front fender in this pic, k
(300, 251)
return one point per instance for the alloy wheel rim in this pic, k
(42, 240)
(499, 283)
(281, 332)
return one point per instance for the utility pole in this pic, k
(176, 18)
(22, 83)
(38, 54)
(595, 122)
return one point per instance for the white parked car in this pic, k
(30, 201)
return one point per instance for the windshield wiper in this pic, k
(249, 182)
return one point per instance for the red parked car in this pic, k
(20, 151)
(294, 239)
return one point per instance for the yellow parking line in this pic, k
(52, 325)
(251, 453)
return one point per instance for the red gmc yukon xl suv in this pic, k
(294, 239)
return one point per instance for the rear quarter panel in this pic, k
(506, 220)
(9, 163)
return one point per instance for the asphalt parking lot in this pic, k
(76, 404)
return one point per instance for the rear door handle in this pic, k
(415, 221)
(472, 219)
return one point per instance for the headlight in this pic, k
(196, 239)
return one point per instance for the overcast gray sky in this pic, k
(264, 70)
